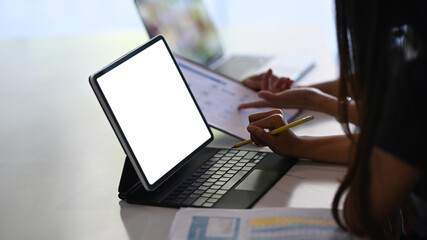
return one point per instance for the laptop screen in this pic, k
(152, 110)
(185, 24)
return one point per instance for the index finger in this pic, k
(266, 80)
(270, 122)
(255, 104)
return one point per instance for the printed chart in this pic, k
(256, 224)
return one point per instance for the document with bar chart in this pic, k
(218, 98)
(255, 224)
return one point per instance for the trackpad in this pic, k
(258, 180)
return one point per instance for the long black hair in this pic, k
(367, 55)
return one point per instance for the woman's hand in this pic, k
(284, 143)
(268, 81)
(302, 98)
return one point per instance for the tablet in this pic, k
(152, 111)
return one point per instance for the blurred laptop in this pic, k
(192, 35)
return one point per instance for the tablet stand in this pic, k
(130, 187)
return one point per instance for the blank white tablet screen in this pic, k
(154, 110)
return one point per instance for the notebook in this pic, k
(192, 34)
(165, 136)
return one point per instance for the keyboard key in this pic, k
(217, 165)
(208, 184)
(241, 153)
(195, 196)
(200, 201)
(234, 180)
(207, 195)
(225, 179)
(228, 175)
(189, 201)
(182, 196)
(250, 155)
(212, 180)
(212, 200)
(208, 204)
(221, 192)
(219, 183)
(210, 191)
(198, 192)
(216, 196)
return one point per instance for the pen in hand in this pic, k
(278, 130)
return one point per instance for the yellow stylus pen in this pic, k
(278, 130)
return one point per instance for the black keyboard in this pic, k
(214, 178)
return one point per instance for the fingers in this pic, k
(282, 83)
(278, 84)
(267, 102)
(265, 120)
(266, 80)
(405, 219)
(259, 136)
(253, 81)
(271, 122)
(407, 209)
(261, 115)
(391, 228)
(287, 83)
(256, 104)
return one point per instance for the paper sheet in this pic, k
(219, 97)
(254, 224)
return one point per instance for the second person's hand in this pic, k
(268, 81)
(302, 98)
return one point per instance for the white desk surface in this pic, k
(60, 162)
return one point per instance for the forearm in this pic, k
(331, 149)
(329, 87)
